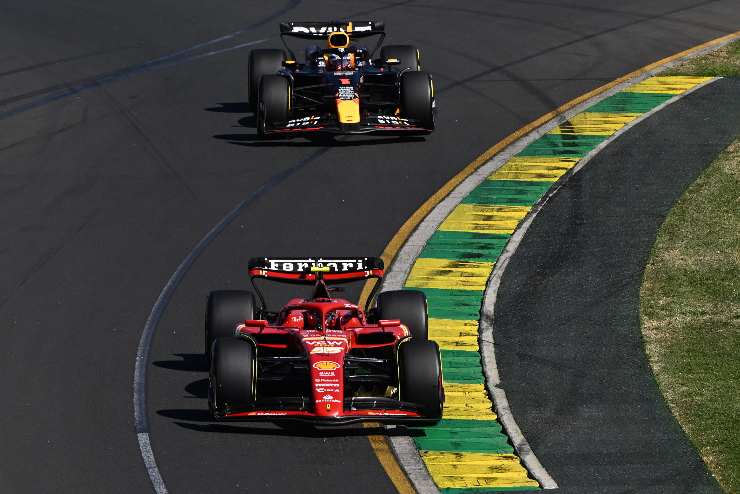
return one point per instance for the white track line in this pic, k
(141, 421)
(403, 446)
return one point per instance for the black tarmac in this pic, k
(125, 137)
(567, 320)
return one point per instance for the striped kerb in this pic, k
(468, 452)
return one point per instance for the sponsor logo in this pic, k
(326, 350)
(326, 365)
(322, 389)
(346, 93)
(328, 397)
(329, 29)
(304, 265)
(329, 383)
(393, 120)
(303, 122)
(324, 341)
(327, 374)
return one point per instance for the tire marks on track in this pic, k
(141, 420)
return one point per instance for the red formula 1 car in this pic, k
(322, 359)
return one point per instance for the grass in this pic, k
(724, 62)
(690, 299)
(690, 308)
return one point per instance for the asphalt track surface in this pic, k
(124, 138)
(567, 325)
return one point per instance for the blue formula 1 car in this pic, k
(340, 87)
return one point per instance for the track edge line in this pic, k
(410, 239)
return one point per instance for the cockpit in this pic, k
(308, 318)
(339, 55)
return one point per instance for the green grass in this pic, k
(724, 62)
(690, 308)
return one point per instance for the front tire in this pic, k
(224, 310)
(410, 306)
(417, 98)
(409, 57)
(274, 102)
(262, 62)
(233, 376)
(420, 376)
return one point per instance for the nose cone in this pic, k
(326, 358)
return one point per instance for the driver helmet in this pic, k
(341, 60)
(310, 320)
(294, 319)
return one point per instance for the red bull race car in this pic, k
(340, 87)
(322, 359)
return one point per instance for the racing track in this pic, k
(112, 171)
(567, 324)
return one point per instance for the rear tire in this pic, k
(274, 102)
(410, 306)
(224, 310)
(408, 56)
(420, 376)
(233, 376)
(417, 98)
(262, 62)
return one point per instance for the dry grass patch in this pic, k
(724, 62)
(690, 308)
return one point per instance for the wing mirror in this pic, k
(259, 323)
(389, 323)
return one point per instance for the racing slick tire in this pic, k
(408, 56)
(274, 101)
(262, 62)
(410, 306)
(224, 309)
(417, 98)
(420, 376)
(233, 374)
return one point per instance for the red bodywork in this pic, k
(327, 332)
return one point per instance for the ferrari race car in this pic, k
(340, 88)
(322, 359)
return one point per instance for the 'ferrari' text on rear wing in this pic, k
(308, 270)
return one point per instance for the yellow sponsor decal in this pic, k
(326, 365)
(348, 110)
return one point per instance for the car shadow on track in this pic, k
(189, 362)
(294, 429)
(200, 420)
(236, 107)
(254, 140)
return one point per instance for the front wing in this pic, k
(372, 124)
(383, 410)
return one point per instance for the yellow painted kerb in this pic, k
(379, 443)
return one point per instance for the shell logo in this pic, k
(326, 365)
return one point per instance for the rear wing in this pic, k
(321, 30)
(316, 270)
(306, 271)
